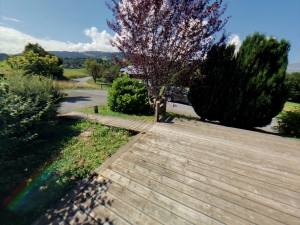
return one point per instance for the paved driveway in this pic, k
(80, 99)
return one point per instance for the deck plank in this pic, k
(210, 194)
(139, 156)
(96, 209)
(244, 154)
(138, 202)
(261, 175)
(164, 201)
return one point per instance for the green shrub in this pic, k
(289, 122)
(26, 104)
(128, 96)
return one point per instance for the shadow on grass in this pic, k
(29, 185)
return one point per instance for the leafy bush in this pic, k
(128, 96)
(289, 122)
(246, 90)
(26, 104)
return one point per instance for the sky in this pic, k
(78, 25)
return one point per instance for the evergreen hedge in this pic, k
(246, 90)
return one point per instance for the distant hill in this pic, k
(95, 54)
(3, 56)
(293, 67)
(66, 54)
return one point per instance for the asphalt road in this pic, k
(81, 99)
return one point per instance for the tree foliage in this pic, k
(208, 94)
(35, 60)
(93, 68)
(160, 37)
(36, 48)
(110, 71)
(246, 90)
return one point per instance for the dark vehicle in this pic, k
(176, 94)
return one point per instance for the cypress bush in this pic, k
(128, 96)
(207, 95)
(246, 90)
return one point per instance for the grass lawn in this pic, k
(290, 106)
(99, 84)
(52, 166)
(105, 110)
(74, 73)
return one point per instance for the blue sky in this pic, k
(77, 25)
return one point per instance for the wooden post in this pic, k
(96, 109)
(165, 106)
(157, 105)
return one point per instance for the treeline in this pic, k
(293, 83)
(79, 62)
(88, 54)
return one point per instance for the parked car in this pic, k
(176, 94)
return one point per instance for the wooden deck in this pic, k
(188, 172)
(112, 121)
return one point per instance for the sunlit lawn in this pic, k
(105, 110)
(74, 73)
(289, 106)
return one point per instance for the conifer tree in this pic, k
(249, 92)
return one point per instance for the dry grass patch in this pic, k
(74, 85)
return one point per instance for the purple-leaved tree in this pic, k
(160, 38)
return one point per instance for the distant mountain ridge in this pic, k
(94, 54)
(293, 67)
(3, 56)
(67, 54)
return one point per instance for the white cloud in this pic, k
(10, 19)
(235, 39)
(100, 42)
(13, 41)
